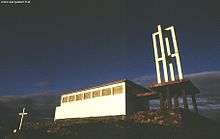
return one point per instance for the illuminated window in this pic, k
(87, 95)
(117, 90)
(96, 93)
(72, 98)
(79, 96)
(106, 92)
(65, 99)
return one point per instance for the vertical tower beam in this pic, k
(163, 56)
(176, 50)
(156, 57)
(169, 56)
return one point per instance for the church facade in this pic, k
(110, 99)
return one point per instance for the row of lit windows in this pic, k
(88, 95)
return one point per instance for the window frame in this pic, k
(65, 99)
(87, 93)
(115, 90)
(108, 93)
(72, 98)
(81, 96)
(96, 92)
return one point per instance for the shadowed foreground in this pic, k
(155, 125)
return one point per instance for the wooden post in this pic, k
(185, 103)
(194, 103)
(169, 101)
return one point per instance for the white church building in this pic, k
(110, 99)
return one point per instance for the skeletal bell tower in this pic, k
(166, 54)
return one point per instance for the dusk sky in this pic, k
(56, 46)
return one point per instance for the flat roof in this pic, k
(104, 84)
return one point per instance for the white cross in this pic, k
(22, 116)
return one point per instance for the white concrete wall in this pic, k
(94, 107)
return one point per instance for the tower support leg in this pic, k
(147, 106)
(185, 103)
(162, 101)
(169, 100)
(176, 101)
(194, 103)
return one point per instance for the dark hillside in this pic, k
(190, 126)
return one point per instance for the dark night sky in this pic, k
(54, 46)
